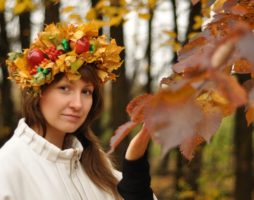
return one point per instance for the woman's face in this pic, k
(65, 105)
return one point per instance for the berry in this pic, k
(53, 53)
(33, 70)
(35, 57)
(82, 45)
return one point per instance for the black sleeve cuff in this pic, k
(135, 184)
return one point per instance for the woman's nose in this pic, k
(76, 101)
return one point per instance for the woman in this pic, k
(53, 154)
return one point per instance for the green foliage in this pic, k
(216, 180)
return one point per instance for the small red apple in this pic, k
(82, 45)
(35, 57)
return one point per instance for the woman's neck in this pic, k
(52, 136)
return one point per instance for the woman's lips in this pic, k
(71, 117)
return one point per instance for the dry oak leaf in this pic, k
(168, 117)
(120, 133)
(189, 145)
(213, 114)
(135, 109)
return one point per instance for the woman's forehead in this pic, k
(83, 81)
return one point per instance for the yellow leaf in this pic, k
(198, 22)
(152, 3)
(145, 16)
(218, 5)
(187, 194)
(171, 34)
(100, 5)
(176, 46)
(219, 98)
(122, 3)
(68, 9)
(102, 74)
(115, 21)
(192, 35)
(110, 11)
(76, 17)
(19, 8)
(73, 76)
(91, 14)
(21, 64)
(2, 5)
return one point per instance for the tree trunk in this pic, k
(98, 128)
(25, 29)
(7, 122)
(148, 86)
(94, 2)
(165, 162)
(185, 170)
(243, 152)
(51, 12)
(120, 92)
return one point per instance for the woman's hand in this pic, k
(138, 145)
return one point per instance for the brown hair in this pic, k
(99, 164)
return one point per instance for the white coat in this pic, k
(31, 168)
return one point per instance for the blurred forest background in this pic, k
(152, 32)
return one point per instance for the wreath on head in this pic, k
(64, 48)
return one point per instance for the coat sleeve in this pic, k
(5, 186)
(136, 180)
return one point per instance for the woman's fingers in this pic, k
(138, 145)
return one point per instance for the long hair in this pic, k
(94, 160)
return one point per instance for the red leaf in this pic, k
(222, 54)
(250, 107)
(239, 9)
(194, 1)
(120, 133)
(229, 4)
(242, 66)
(229, 87)
(171, 118)
(195, 55)
(189, 145)
(174, 82)
(210, 123)
(136, 107)
(245, 46)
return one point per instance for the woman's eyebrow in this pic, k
(89, 85)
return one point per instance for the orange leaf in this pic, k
(212, 118)
(222, 54)
(136, 107)
(250, 109)
(250, 115)
(68, 9)
(239, 10)
(229, 87)
(218, 5)
(189, 145)
(174, 82)
(242, 66)
(168, 118)
(194, 1)
(120, 133)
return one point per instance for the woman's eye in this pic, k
(64, 88)
(88, 92)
